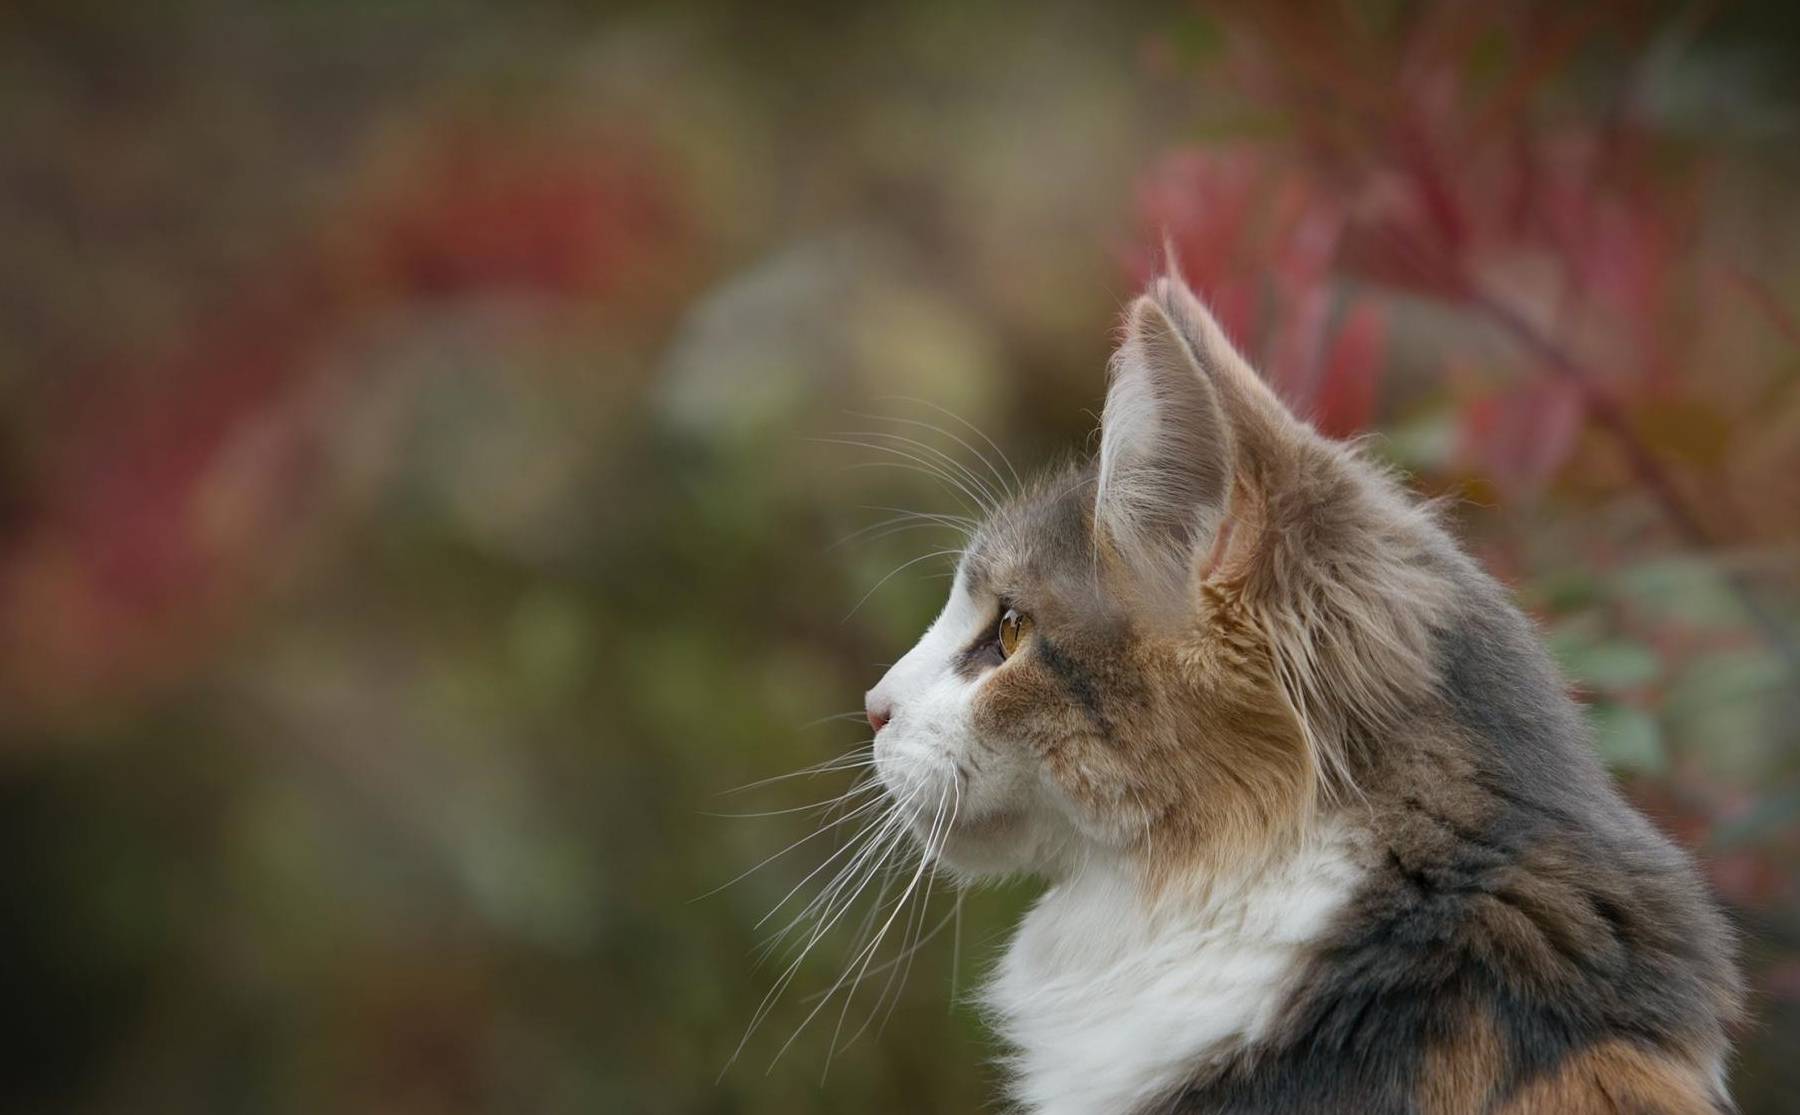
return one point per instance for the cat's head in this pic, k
(1173, 653)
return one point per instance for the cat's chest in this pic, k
(1109, 1006)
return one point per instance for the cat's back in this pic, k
(1522, 940)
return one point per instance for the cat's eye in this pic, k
(1014, 626)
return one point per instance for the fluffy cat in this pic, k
(1322, 828)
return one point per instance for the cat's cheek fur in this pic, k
(977, 801)
(918, 752)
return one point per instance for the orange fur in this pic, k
(1616, 1078)
(1460, 1074)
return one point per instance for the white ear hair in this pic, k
(1166, 449)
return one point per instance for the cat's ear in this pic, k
(1166, 454)
(1186, 421)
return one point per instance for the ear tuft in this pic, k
(1265, 430)
(1166, 453)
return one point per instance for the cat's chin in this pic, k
(997, 843)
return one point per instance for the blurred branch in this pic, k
(1764, 300)
(1669, 497)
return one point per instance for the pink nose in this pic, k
(880, 712)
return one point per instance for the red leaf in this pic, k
(1347, 389)
(1519, 439)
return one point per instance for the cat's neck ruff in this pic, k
(1111, 999)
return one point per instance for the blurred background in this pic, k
(420, 496)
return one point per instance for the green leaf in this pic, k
(1689, 590)
(1197, 39)
(1726, 678)
(1628, 738)
(1423, 444)
(1564, 592)
(1607, 665)
(1724, 708)
(1771, 815)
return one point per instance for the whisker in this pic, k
(753, 870)
(910, 463)
(896, 971)
(851, 843)
(890, 963)
(853, 714)
(889, 874)
(868, 952)
(844, 886)
(941, 432)
(781, 983)
(943, 838)
(952, 470)
(807, 808)
(875, 857)
(828, 766)
(863, 954)
(962, 522)
(900, 569)
(966, 424)
(990, 499)
(887, 528)
(956, 950)
(853, 877)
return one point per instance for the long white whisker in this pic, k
(902, 568)
(952, 473)
(941, 432)
(890, 527)
(956, 950)
(771, 859)
(868, 952)
(781, 983)
(952, 470)
(843, 890)
(990, 498)
(853, 714)
(966, 424)
(852, 878)
(961, 522)
(942, 838)
(851, 843)
(894, 984)
(827, 766)
(889, 964)
(867, 783)
(888, 876)
(912, 463)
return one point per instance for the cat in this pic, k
(1321, 827)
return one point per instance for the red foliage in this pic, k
(1259, 241)
(1420, 174)
(1418, 162)
(157, 496)
(485, 212)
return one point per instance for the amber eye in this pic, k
(1014, 626)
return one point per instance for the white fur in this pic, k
(932, 735)
(1112, 1003)
(916, 753)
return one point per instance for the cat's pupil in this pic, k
(1013, 626)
